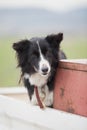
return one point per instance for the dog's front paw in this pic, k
(34, 100)
(49, 99)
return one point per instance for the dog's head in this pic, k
(38, 54)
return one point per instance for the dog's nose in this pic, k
(45, 69)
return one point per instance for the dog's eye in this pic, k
(44, 51)
(35, 53)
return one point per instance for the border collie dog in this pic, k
(38, 59)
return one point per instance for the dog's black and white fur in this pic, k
(38, 59)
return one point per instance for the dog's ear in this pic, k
(55, 39)
(21, 46)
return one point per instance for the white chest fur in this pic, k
(36, 79)
(44, 93)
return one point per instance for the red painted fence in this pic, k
(70, 93)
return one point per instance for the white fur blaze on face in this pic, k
(44, 66)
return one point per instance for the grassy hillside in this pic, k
(75, 48)
(9, 74)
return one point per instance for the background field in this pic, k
(9, 74)
(27, 22)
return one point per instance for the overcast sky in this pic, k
(48, 4)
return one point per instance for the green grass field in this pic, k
(9, 74)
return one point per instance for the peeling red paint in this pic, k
(70, 93)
